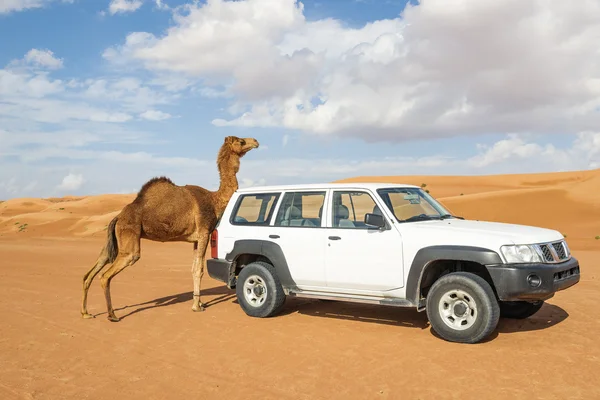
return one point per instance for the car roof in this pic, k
(324, 186)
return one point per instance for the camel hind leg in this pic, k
(129, 253)
(89, 277)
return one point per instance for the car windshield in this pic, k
(412, 204)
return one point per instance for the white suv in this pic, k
(386, 244)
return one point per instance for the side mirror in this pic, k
(375, 220)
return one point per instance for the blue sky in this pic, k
(99, 96)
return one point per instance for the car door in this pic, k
(359, 258)
(298, 230)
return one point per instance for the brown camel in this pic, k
(165, 212)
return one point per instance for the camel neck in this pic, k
(228, 169)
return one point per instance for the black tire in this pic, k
(478, 294)
(519, 309)
(273, 299)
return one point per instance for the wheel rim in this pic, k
(458, 309)
(255, 291)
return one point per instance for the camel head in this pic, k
(240, 146)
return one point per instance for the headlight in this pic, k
(520, 254)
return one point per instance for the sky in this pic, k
(98, 96)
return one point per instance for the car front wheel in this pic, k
(259, 291)
(462, 308)
(519, 309)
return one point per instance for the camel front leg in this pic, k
(198, 271)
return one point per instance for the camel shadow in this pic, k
(223, 292)
(369, 313)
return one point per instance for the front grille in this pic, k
(554, 252)
(562, 275)
(547, 253)
(560, 250)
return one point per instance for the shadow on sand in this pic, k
(357, 312)
(548, 316)
(223, 292)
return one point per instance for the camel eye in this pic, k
(243, 142)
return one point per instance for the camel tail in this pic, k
(112, 247)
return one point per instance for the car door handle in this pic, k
(274, 236)
(334, 238)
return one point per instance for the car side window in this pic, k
(254, 209)
(350, 207)
(301, 209)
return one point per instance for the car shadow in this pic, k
(548, 316)
(369, 313)
(223, 292)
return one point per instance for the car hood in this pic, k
(461, 230)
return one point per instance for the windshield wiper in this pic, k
(421, 217)
(446, 216)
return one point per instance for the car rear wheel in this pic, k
(519, 309)
(259, 291)
(462, 308)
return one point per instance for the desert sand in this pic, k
(313, 350)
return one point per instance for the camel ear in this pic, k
(229, 139)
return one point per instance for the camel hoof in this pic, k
(113, 318)
(87, 316)
(198, 309)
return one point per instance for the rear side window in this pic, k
(301, 209)
(254, 209)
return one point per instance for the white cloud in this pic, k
(127, 6)
(124, 6)
(155, 115)
(9, 187)
(71, 182)
(444, 68)
(30, 94)
(43, 58)
(35, 85)
(247, 182)
(285, 140)
(8, 6)
(584, 153)
(57, 111)
(161, 5)
(510, 148)
(131, 92)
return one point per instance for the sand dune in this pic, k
(566, 201)
(71, 216)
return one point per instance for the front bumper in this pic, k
(221, 270)
(512, 283)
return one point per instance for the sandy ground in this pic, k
(313, 350)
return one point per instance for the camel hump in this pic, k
(160, 180)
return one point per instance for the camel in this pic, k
(165, 212)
